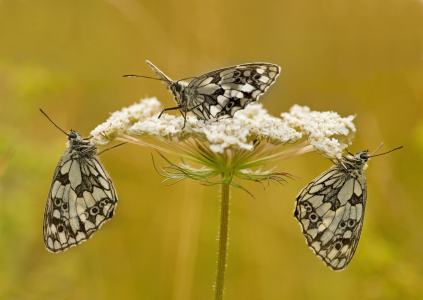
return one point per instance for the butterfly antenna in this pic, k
(381, 144)
(145, 77)
(110, 148)
(386, 152)
(53, 122)
(187, 78)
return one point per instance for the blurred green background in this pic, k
(68, 57)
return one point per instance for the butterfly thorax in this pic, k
(356, 162)
(178, 89)
(79, 147)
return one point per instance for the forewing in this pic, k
(330, 211)
(81, 199)
(160, 75)
(221, 93)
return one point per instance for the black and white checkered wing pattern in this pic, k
(221, 93)
(330, 211)
(81, 199)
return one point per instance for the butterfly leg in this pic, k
(184, 114)
(171, 108)
(89, 149)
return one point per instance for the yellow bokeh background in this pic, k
(360, 58)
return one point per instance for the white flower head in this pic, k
(328, 132)
(237, 141)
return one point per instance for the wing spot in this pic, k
(308, 207)
(94, 211)
(313, 217)
(230, 104)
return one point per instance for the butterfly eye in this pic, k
(364, 156)
(72, 135)
(178, 87)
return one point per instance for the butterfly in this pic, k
(81, 197)
(220, 93)
(330, 209)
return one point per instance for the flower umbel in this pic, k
(228, 148)
(231, 147)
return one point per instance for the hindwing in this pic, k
(81, 199)
(330, 211)
(220, 93)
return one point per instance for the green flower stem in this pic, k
(223, 242)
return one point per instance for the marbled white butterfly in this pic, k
(330, 209)
(220, 93)
(81, 197)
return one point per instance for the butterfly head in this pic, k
(360, 158)
(76, 142)
(357, 160)
(74, 136)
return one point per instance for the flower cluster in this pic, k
(327, 132)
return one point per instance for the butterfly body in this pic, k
(331, 209)
(220, 93)
(81, 198)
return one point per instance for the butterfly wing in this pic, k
(221, 93)
(330, 211)
(81, 199)
(160, 75)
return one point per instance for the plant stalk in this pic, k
(223, 242)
